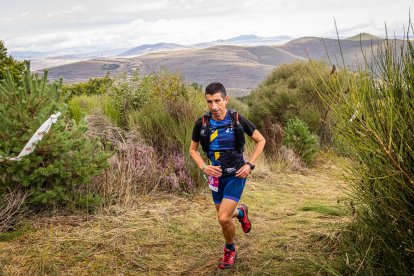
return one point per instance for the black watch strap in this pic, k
(251, 165)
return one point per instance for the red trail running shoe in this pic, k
(245, 222)
(229, 259)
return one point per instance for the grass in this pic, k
(168, 234)
(79, 106)
(9, 236)
(323, 209)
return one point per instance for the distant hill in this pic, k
(239, 68)
(246, 40)
(363, 36)
(146, 48)
(328, 50)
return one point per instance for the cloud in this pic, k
(135, 7)
(56, 25)
(72, 12)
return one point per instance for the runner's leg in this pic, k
(235, 213)
(226, 213)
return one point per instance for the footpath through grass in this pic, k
(292, 216)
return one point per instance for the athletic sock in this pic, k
(240, 215)
(230, 246)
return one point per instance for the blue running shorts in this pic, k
(230, 187)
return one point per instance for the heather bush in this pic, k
(299, 138)
(161, 108)
(134, 167)
(62, 161)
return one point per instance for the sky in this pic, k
(92, 25)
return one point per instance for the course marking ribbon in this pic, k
(37, 136)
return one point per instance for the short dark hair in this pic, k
(214, 88)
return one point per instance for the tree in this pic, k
(62, 161)
(7, 62)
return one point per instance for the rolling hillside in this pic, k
(240, 68)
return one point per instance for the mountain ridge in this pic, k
(240, 68)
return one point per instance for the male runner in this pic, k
(227, 163)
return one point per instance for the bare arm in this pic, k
(208, 169)
(260, 142)
(258, 149)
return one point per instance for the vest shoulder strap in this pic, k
(234, 115)
(206, 118)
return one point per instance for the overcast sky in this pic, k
(44, 25)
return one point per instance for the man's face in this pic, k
(217, 105)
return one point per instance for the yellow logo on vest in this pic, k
(214, 135)
(216, 155)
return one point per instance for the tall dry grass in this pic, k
(374, 121)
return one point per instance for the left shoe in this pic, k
(245, 221)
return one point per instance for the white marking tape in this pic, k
(37, 136)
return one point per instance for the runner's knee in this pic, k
(224, 219)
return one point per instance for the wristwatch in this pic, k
(250, 165)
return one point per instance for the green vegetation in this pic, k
(64, 160)
(323, 209)
(93, 86)
(161, 109)
(166, 123)
(374, 119)
(301, 140)
(146, 124)
(8, 63)
(80, 106)
(289, 92)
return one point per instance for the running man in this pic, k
(221, 134)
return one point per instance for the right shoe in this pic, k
(229, 259)
(245, 222)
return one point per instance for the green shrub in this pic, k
(166, 123)
(374, 119)
(129, 93)
(112, 97)
(162, 108)
(289, 92)
(62, 161)
(240, 106)
(93, 86)
(299, 138)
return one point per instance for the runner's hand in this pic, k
(244, 171)
(212, 170)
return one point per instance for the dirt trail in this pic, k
(170, 234)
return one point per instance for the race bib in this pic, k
(213, 183)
